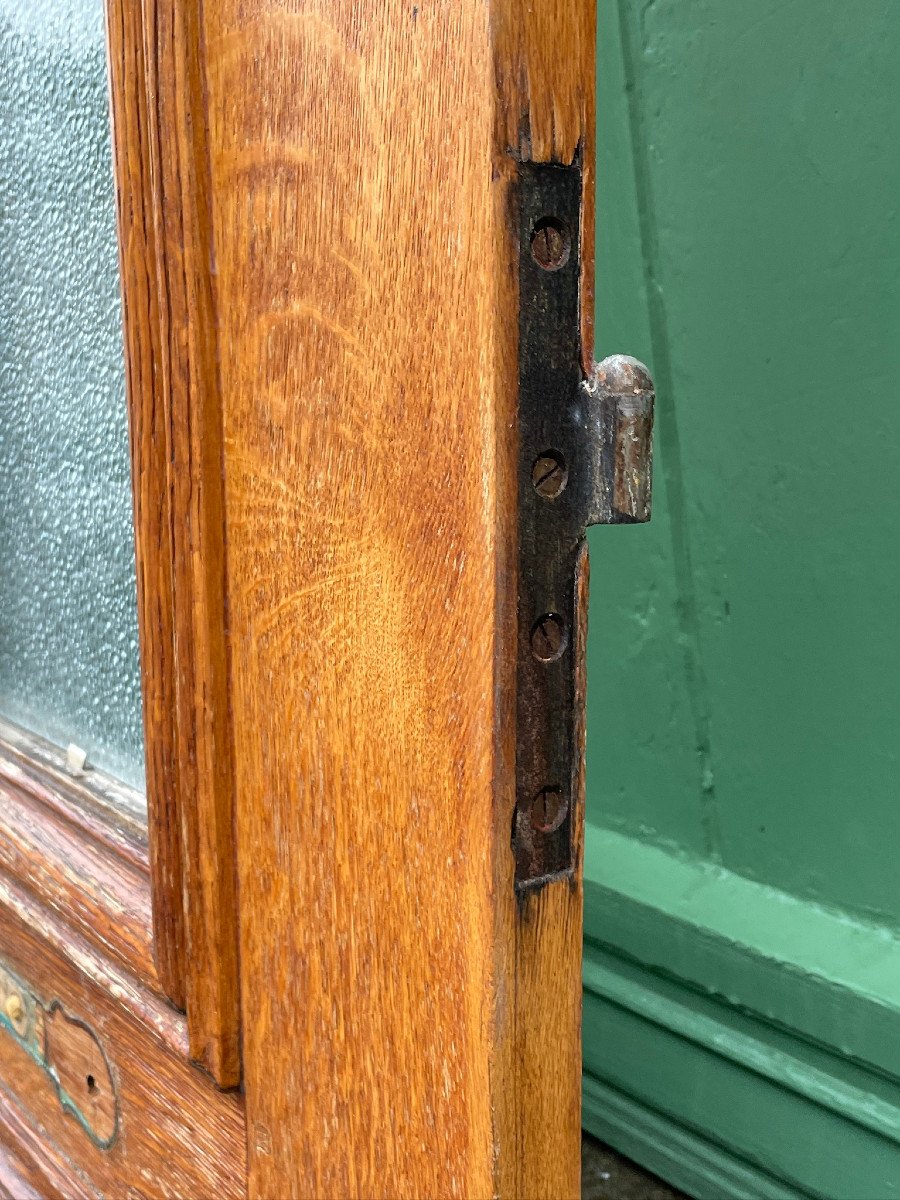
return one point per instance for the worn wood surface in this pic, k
(64, 841)
(545, 71)
(82, 1070)
(162, 181)
(177, 1134)
(542, 1045)
(544, 56)
(26, 1173)
(75, 929)
(408, 1030)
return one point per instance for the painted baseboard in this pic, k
(738, 1041)
(689, 1162)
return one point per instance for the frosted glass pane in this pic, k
(68, 627)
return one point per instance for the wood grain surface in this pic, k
(162, 177)
(178, 1135)
(544, 56)
(409, 1030)
(153, 520)
(319, 260)
(75, 929)
(25, 1172)
(54, 844)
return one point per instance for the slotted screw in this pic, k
(549, 244)
(548, 475)
(548, 809)
(548, 637)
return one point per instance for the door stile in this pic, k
(411, 1023)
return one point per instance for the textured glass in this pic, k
(68, 625)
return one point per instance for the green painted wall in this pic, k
(744, 662)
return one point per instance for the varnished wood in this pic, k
(75, 928)
(25, 1172)
(75, 852)
(107, 810)
(82, 1069)
(162, 175)
(178, 1135)
(319, 260)
(153, 518)
(409, 1030)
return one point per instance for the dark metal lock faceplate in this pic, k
(552, 498)
(584, 458)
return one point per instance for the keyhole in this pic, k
(91, 1084)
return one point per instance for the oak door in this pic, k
(311, 969)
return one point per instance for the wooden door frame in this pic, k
(411, 1025)
(322, 387)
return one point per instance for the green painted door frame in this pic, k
(742, 958)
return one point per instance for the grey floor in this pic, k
(606, 1175)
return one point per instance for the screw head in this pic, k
(549, 475)
(550, 244)
(548, 637)
(548, 809)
